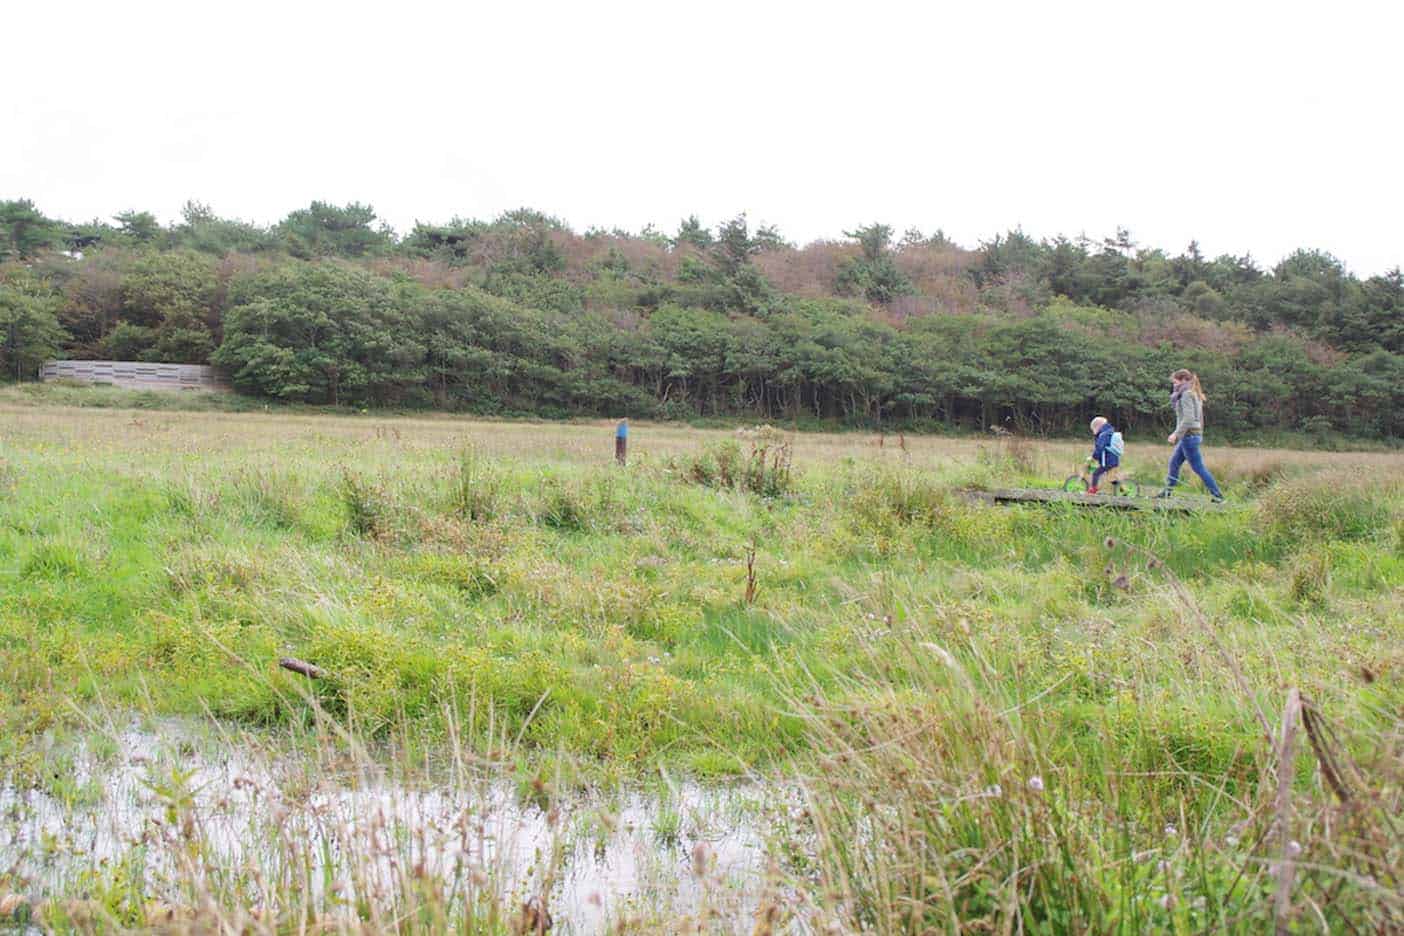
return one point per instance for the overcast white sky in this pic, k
(1254, 127)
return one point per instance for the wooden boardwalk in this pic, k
(1176, 504)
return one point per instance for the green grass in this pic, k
(600, 614)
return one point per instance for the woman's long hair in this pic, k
(1193, 378)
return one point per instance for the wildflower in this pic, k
(1110, 542)
(994, 790)
(1036, 783)
(1167, 902)
(1231, 840)
(1294, 848)
(1162, 866)
(1170, 831)
(1122, 582)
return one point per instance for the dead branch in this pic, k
(301, 667)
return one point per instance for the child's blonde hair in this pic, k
(1097, 423)
(1193, 378)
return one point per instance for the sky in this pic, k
(1251, 127)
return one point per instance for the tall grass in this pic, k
(950, 799)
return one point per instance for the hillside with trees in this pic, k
(522, 315)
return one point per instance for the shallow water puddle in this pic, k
(140, 800)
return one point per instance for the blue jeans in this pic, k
(1188, 451)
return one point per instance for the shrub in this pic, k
(763, 466)
(367, 506)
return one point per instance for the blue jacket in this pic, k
(1101, 450)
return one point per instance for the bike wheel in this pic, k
(1076, 484)
(1129, 489)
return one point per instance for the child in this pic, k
(1106, 451)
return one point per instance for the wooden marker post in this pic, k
(621, 442)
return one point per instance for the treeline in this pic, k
(521, 315)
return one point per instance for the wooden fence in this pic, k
(136, 374)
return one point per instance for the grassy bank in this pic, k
(835, 615)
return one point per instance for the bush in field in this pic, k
(367, 506)
(1330, 505)
(758, 461)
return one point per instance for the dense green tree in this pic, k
(321, 333)
(452, 242)
(24, 231)
(30, 333)
(201, 229)
(874, 275)
(324, 230)
(691, 231)
(139, 227)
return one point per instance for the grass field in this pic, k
(1049, 718)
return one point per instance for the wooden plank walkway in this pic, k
(1176, 504)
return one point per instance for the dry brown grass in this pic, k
(379, 439)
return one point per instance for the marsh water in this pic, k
(132, 802)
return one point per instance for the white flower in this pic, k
(1167, 901)
(994, 789)
(1036, 783)
(1294, 848)
(1170, 831)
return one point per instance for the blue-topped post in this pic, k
(621, 442)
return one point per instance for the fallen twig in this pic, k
(301, 667)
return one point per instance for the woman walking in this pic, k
(1187, 400)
